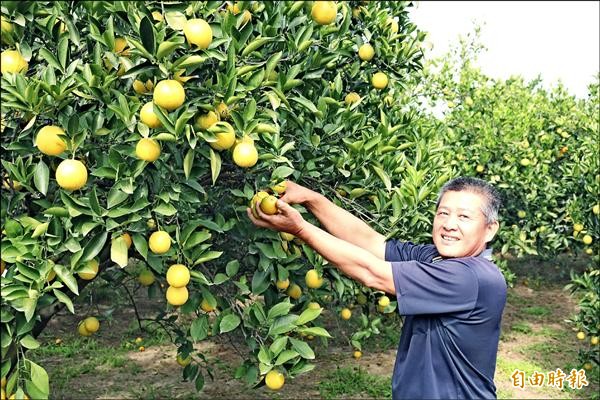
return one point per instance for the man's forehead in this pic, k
(463, 200)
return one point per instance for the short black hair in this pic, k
(479, 186)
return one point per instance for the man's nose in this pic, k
(450, 223)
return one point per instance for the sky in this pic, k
(558, 40)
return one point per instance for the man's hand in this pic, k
(296, 194)
(287, 219)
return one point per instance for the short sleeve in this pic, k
(434, 288)
(396, 250)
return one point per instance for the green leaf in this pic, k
(260, 281)
(282, 172)
(278, 345)
(209, 255)
(118, 252)
(41, 177)
(229, 323)
(286, 356)
(94, 204)
(199, 328)
(39, 378)
(232, 268)
(303, 349)
(141, 245)
(67, 278)
(94, 246)
(308, 315)
(188, 163)
(279, 309)
(383, 176)
(29, 306)
(176, 20)
(165, 209)
(40, 229)
(50, 58)
(29, 342)
(63, 298)
(215, 165)
(250, 110)
(166, 48)
(147, 35)
(315, 331)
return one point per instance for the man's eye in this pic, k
(463, 216)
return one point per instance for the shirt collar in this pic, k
(487, 254)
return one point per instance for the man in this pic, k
(451, 294)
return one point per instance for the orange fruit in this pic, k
(71, 174)
(169, 94)
(48, 140)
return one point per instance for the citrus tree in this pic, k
(135, 134)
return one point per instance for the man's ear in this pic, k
(491, 230)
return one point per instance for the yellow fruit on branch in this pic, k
(282, 285)
(184, 362)
(148, 117)
(222, 110)
(81, 329)
(294, 291)
(479, 168)
(357, 354)
(581, 335)
(313, 305)
(177, 296)
(178, 275)
(127, 238)
(225, 136)
(233, 8)
(206, 307)
(268, 205)
(49, 142)
(91, 324)
(596, 209)
(587, 239)
(521, 214)
(246, 17)
(288, 237)
(245, 155)
(147, 149)
(71, 174)
(384, 301)
(379, 80)
(255, 200)
(312, 279)
(11, 61)
(324, 12)
(139, 87)
(157, 16)
(169, 94)
(346, 313)
(280, 187)
(146, 278)
(594, 340)
(207, 120)
(159, 242)
(366, 52)
(121, 47)
(274, 380)
(94, 266)
(197, 31)
(6, 26)
(351, 98)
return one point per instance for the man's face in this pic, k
(459, 226)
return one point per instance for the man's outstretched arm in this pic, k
(337, 221)
(354, 261)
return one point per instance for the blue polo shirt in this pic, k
(453, 309)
